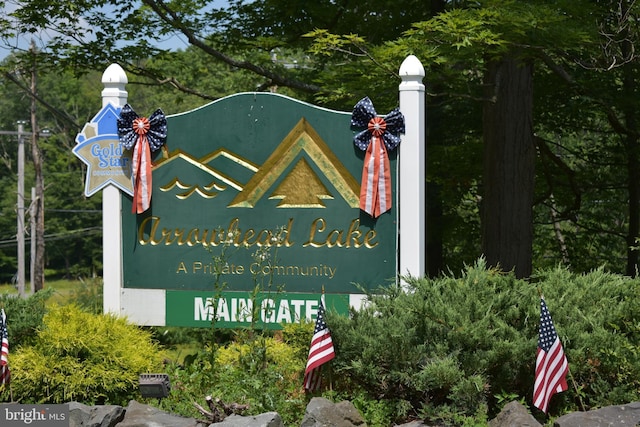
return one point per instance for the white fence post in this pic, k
(411, 165)
(114, 80)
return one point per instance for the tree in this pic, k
(266, 50)
(493, 42)
(509, 159)
(602, 78)
(574, 118)
(244, 35)
(554, 38)
(38, 204)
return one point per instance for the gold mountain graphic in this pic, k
(301, 184)
(201, 163)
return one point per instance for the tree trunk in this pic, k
(629, 84)
(434, 238)
(630, 139)
(509, 162)
(38, 264)
(633, 188)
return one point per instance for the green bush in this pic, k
(451, 350)
(257, 368)
(76, 355)
(450, 347)
(24, 316)
(597, 316)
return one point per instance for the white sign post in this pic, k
(114, 80)
(411, 167)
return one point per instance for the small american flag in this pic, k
(320, 352)
(5, 374)
(551, 362)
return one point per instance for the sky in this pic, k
(23, 41)
(175, 42)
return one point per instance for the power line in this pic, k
(75, 210)
(57, 236)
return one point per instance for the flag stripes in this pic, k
(5, 373)
(320, 351)
(551, 362)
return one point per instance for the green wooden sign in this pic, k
(257, 194)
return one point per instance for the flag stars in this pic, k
(547, 331)
(320, 323)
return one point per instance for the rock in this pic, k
(621, 415)
(322, 412)
(139, 415)
(81, 415)
(415, 423)
(268, 419)
(514, 414)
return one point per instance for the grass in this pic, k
(63, 290)
(8, 289)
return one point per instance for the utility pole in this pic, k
(20, 208)
(20, 282)
(32, 258)
(20, 211)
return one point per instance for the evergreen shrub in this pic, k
(79, 356)
(597, 316)
(24, 316)
(449, 349)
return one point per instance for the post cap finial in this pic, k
(411, 67)
(114, 75)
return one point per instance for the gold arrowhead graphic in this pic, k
(301, 188)
(302, 138)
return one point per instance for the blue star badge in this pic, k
(99, 147)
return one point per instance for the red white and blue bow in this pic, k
(144, 135)
(380, 135)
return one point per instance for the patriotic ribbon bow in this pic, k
(380, 135)
(144, 135)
